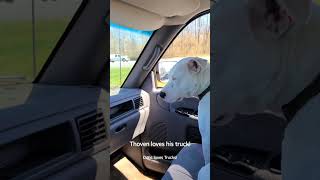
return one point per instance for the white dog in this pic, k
(265, 52)
(190, 77)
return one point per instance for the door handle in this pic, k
(121, 128)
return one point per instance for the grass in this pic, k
(115, 81)
(16, 57)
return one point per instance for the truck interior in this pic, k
(56, 121)
(138, 114)
(257, 74)
(67, 122)
(248, 147)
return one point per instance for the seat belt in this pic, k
(290, 109)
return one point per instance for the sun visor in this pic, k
(133, 17)
(153, 14)
(167, 8)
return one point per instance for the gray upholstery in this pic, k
(252, 75)
(301, 145)
(187, 165)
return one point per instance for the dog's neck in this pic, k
(201, 95)
(204, 80)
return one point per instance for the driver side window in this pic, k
(192, 41)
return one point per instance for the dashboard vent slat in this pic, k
(138, 102)
(92, 129)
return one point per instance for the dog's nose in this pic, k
(162, 94)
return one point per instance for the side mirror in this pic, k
(164, 67)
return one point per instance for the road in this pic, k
(131, 63)
(123, 64)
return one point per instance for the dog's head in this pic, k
(253, 53)
(187, 79)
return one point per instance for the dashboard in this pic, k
(66, 132)
(52, 130)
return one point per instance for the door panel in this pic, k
(165, 124)
(249, 147)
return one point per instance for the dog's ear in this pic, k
(194, 66)
(275, 17)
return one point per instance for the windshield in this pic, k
(126, 45)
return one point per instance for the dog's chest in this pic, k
(204, 113)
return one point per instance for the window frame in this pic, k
(138, 59)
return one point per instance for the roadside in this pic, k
(116, 80)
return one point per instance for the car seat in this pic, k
(187, 165)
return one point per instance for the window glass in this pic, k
(15, 41)
(193, 41)
(51, 19)
(29, 30)
(126, 45)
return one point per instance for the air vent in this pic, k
(92, 129)
(138, 102)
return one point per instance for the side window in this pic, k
(193, 41)
(126, 44)
(29, 30)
